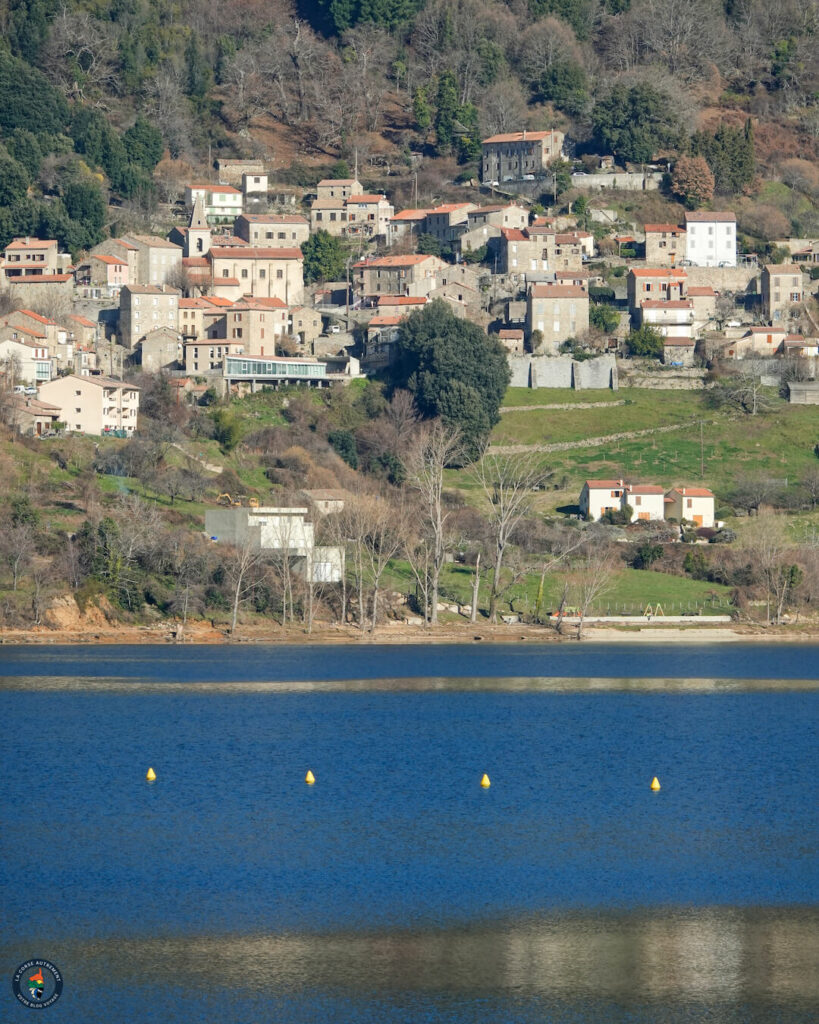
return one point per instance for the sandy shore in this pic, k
(399, 633)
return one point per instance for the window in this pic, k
(78, 393)
(689, 502)
(282, 234)
(279, 275)
(262, 274)
(224, 273)
(638, 500)
(269, 234)
(244, 272)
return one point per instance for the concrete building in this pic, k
(711, 239)
(284, 533)
(512, 156)
(665, 245)
(273, 230)
(208, 356)
(694, 504)
(25, 257)
(558, 312)
(647, 502)
(23, 359)
(29, 415)
(143, 308)
(782, 289)
(94, 405)
(672, 318)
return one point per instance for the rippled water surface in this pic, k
(396, 889)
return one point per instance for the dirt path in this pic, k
(563, 405)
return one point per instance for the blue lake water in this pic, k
(396, 888)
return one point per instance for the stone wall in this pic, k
(563, 372)
(625, 181)
(724, 279)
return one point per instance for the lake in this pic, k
(396, 888)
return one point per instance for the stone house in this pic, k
(368, 215)
(29, 415)
(161, 349)
(512, 156)
(414, 275)
(782, 289)
(230, 172)
(94, 405)
(448, 222)
(678, 350)
(406, 224)
(272, 230)
(143, 308)
(665, 244)
(512, 340)
(108, 273)
(558, 312)
(653, 283)
(338, 188)
(156, 259)
(704, 300)
(257, 324)
(305, 324)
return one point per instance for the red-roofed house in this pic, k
(665, 244)
(31, 256)
(512, 340)
(266, 273)
(678, 350)
(279, 230)
(600, 496)
(654, 283)
(415, 275)
(100, 270)
(647, 501)
(448, 222)
(404, 224)
(694, 504)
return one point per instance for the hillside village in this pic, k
(253, 333)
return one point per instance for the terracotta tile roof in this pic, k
(526, 136)
(193, 304)
(253, 302)
(705, 217)
(775, 269)
(218, 300)
(700, 292)
(514, 333)
(678, 342)
(232, 282)
(644, 489)
(449, 207)
(194, 261)
(338, 181)
(667, 304)
(367, 198)
(32, 243)
(514, 235)
(410, 215)
(37, 316)
(692, 492)
(385, 321)
(401, 300)
(110, 260)
(84, 321)
(558, 291)
(273, 218)
(604, 485)
(23, 330)
(39, 279)
(658, 272)
(251, 253)
(396, 261)
(208, 187)
(674, 228)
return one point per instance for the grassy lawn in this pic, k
(631, 590)
(558, 396)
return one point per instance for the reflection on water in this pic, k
(427, 684)
(719, 954)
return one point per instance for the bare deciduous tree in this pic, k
(591, 577)
(773, 556)
(507, 482)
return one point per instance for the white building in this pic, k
(711, 239)
(645, 500)
(283, 531)
(695, 504)
(94, 405)
(601, 496)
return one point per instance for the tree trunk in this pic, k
(476, 583)
(493, 593)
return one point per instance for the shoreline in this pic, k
(400, 633)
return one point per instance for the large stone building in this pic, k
(143, 308)
(157, 259)
(557, 312)
(415, 275)
(782, 289)
(515, 155)
(272, 230)
(267, 272)
(665, 245)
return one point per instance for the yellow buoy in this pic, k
(309, 778)
(655, 784)
(485, 781)
(150, 775)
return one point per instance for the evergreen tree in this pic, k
(730, 155)
(633, 122)
(143, 144)
(453, 369)
(324, 257)
(447, 109)
(13, 181)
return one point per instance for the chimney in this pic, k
(524, 134)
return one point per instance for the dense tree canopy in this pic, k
(453, 369)
(634, 122)
(324, 257)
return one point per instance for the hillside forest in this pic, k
(109, 107)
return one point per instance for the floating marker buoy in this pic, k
(485, 781)
(655, 784)
(150, 775)
(309, 778)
